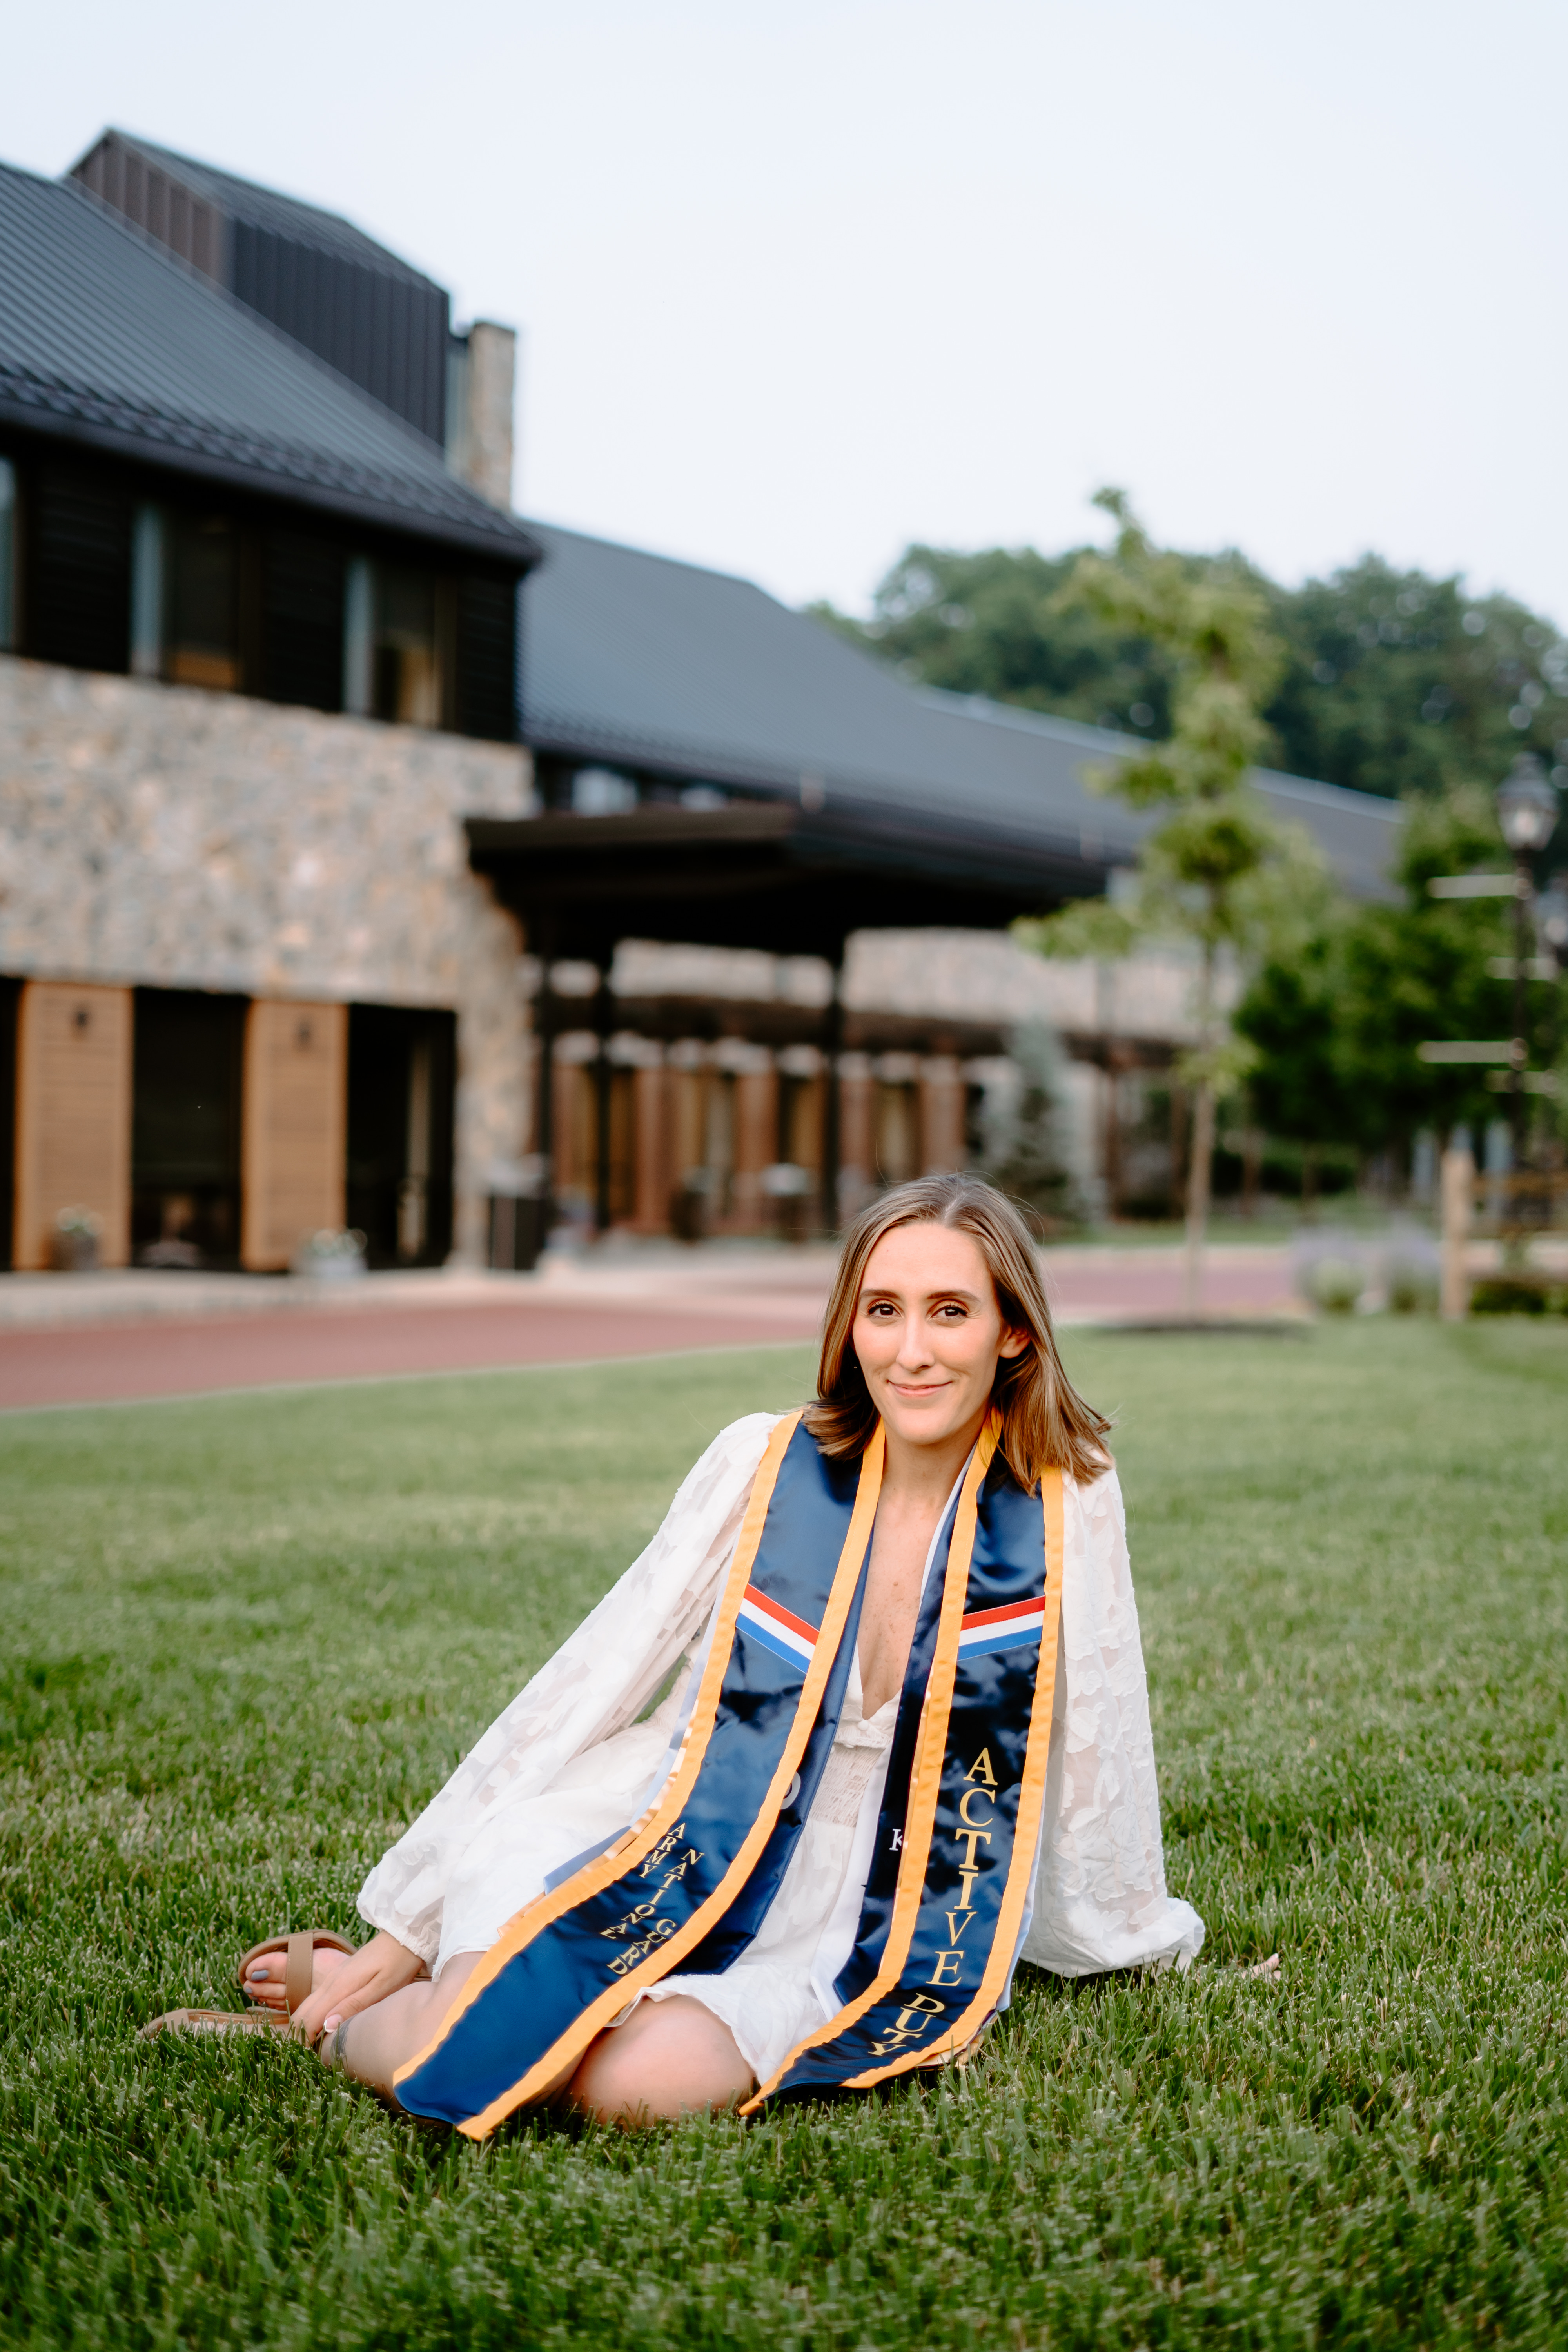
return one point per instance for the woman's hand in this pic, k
(378, 1968)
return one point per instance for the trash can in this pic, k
(519, 1209)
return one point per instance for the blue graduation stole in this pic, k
(685, 1889)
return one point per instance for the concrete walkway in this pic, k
(80, 1339)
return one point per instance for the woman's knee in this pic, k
(670, 2058)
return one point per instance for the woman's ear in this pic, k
(1014, 1343)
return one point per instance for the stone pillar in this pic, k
(942, 1147)
(73, 1118)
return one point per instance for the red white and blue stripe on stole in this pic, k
(778, 1629)
(1007, 1628)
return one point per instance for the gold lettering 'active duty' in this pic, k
(979, 1793)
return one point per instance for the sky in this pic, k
(798, 285)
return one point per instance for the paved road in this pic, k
(601, 1313)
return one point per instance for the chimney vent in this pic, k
(482, 378)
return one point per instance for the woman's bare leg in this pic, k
(670, 2058)
(377, 2040)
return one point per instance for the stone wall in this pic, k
(166, 836)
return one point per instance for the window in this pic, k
(392, 652)
(406, 675)
(203, 602)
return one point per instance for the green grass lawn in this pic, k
(245, 1638)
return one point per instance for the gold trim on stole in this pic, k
(1025, 1835)
(925, 1778)
(925, 1789)
(591, 1880)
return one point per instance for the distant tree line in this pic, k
(1381, 681)
(1393, 682)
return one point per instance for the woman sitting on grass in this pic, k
(907, 1742)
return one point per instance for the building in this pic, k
(263, 662)
(368, 857)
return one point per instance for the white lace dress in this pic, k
(568, 1764)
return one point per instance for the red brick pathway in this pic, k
(172, 1357)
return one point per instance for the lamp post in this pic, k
(1527, 812)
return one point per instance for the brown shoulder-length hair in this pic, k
(1046, 1425)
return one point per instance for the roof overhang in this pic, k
(61, 412)
(760, 873)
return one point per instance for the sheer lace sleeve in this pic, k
(1099, 1895)
(596, 1682)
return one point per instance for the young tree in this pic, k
(1211, 866)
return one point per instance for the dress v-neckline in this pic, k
(857, 1688)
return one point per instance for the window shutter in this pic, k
(81, 601)
(296, 1103)
(302, 621)
(487, 660)
(73, 1116)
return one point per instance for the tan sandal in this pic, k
(212, 2021)
(299, 1966)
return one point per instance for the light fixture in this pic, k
(1526, 807)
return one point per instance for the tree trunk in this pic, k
(1198, 1167)
(1200, 1162)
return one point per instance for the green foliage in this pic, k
(992, 623)
(1289, 1016)
(1391, 681)
(1215, 868)
(1024, 1147)
(246, 1638)
(1398, 682)
(1336, 1021)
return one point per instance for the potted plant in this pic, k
(75, 1243)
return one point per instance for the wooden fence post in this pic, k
(1458, 1194)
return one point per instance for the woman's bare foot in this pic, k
(264, 1977)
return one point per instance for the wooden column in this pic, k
(942, 1116)
(756, 1141)
(73, 1116)
(854, 1090)
(651, 1123)
(295, 1127)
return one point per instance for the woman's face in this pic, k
(929, 1333)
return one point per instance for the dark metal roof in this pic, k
(108, 342)
(259, 208)
(760, 874)
(640, 662)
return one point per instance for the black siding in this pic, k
(10, 1003)
(302, 621)
(487, 658)
(385, 333)
(79, 538)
